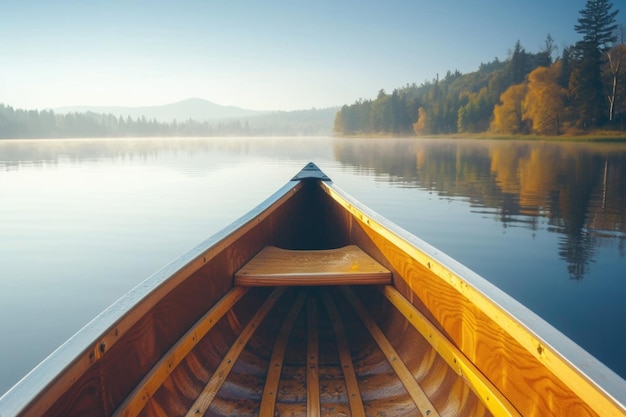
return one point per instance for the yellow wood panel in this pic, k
(347, 265)
(268, 402)
(203, 402)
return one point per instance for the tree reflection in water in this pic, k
(579, 187)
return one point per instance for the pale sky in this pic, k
(260, 55)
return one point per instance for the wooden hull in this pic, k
(439, 340)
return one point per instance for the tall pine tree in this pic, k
(597, 25)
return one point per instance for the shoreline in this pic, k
(598, 137)
(595, 137)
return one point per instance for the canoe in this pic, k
(312, 304)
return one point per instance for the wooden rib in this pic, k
(354, 393)
(268, 402)
(139, 397)
(418, 395)
(312, 363)
(493, 399)
(347, 265)
(203, 402)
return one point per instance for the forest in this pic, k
(579, 91)
(25, 124)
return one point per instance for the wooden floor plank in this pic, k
(142, 393)
(268, 401)
(490, 396)
(422, 402)
(312, 375)
(203, 402)
(354, 393)
(348, 265)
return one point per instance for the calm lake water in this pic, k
(83, 221)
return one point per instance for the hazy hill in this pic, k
(312, 122)
(193, 108)
(192, 117)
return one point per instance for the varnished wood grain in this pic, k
(270, 391)
(153, 380)
(352, 385)
(312, 362)
(415, 391)
(343, 266)
(209, 392)
(494, 400)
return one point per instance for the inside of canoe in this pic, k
(323, 350)
(200, 345)
(217, 333)
(396, 341)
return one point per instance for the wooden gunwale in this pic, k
(578, 370)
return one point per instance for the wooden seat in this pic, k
(281, 267)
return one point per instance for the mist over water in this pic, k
(83, 221)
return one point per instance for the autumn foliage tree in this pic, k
(508, 117)
(419, 127)
(543, 104)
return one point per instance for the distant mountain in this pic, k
(193, 108)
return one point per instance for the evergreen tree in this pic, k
(518, 66)
(566, 67)
(597, 25)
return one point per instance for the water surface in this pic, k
(83, 221)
